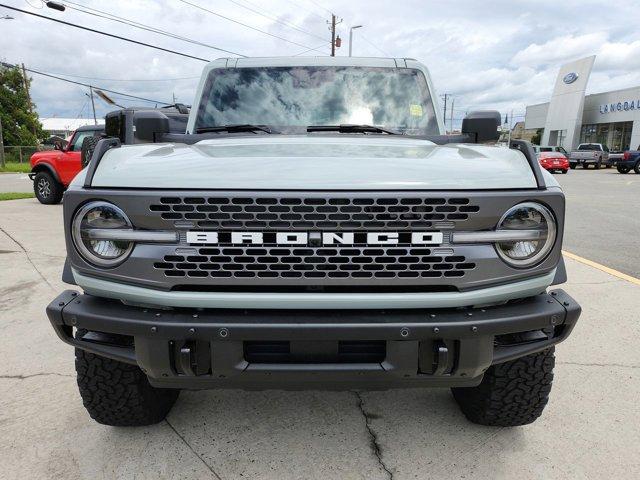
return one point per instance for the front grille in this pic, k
(298, 213)
(273, 262)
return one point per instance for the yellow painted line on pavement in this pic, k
(602, 268)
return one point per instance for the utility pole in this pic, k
(1, 146)
(335, 42)
(25, 80)
(93, 105)
(453, 102)
(333, 35)
(444, 112)
(26, 85)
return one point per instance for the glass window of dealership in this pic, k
(616, 136)
(610, 118)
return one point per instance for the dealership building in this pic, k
(611, 118)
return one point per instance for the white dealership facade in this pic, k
(570, 118)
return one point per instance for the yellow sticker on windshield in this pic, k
(415, 110)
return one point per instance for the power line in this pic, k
(309, 50)
(374, 45)
(106, 34)
(132, 23)
(9, 65)
(299, 5)
(243, 24)
(126, 79)
(275, 19)
(320, 6)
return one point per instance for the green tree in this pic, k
(537, 137)
(20, 123)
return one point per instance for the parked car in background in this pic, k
(553, 162)
(615, 157)
(539, 149)
(53, 170)
(630, 160)
(595, 154)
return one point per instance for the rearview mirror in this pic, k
(482, 125)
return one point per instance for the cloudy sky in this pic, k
(487, 54)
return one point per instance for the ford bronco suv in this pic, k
(313, 228)
(53, 170)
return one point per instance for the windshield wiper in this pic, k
(247, 127)
(350, 128)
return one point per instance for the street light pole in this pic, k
(93, 105)
(351, 38)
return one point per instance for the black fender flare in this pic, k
(44, 167)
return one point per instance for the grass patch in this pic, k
(15, 196)
(16, 167)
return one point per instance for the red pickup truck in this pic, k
(53, 170)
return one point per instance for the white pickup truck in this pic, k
(595, 154)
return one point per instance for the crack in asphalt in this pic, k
(209, 467)
(28, 257)
(620, 365)
(375, 446)
(41, 374)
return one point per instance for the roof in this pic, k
(91, 127)
(310, 61)
(66, 124)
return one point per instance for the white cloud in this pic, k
(490, 54)
(560, 49)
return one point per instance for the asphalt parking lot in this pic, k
(589, 430)
(15, 182)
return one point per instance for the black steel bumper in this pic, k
(257, 349)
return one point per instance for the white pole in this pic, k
(453, 102)
(351, 38)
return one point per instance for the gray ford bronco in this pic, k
(313, 228)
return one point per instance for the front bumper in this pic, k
(301, 348)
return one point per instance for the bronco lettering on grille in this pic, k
(314, 238)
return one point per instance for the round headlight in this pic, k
(535, 219)
(100, 216)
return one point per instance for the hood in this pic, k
(314, 162)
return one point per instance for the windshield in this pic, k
(293, 98)
(589, 146)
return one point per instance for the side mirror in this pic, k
(482, 126)
(150, 125)
(132, 125)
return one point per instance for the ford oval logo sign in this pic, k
(570, 78)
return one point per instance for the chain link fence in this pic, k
(22, 153)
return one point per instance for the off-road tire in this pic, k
(623, 169)
(636, 168)
(88, 146)
(511, 394)
(119, 394)
(47, 189)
